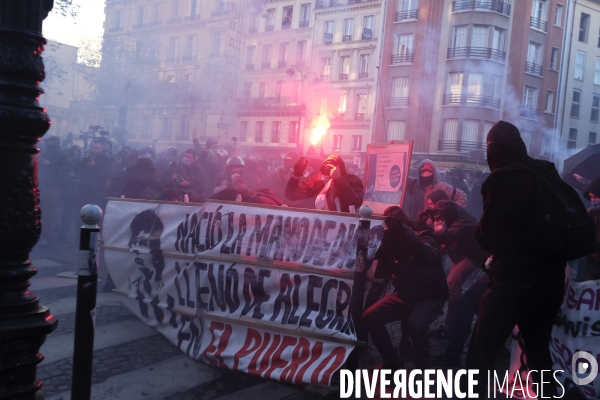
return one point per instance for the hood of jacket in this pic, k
(336, 160)
(436, 173)
(452, 212)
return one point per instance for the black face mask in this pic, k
(426, 180)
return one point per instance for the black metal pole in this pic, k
(357, 301)
(85, 314)
(24, 323)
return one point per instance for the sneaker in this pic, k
(440, 333)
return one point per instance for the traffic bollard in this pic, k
(357, 300)
(85, 314)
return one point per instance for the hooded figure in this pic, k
(428, 181)
(139, 178)
(526, 287)
(592, 193)
(334, 188)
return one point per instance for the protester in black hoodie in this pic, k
(409, 256)
(334, 188)
(141, 177)
(526, 286)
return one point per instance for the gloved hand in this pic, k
(423, 217)
(300, 166)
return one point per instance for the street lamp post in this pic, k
(24, 324)
(291, 71)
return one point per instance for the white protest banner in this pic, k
(386, 173)
(577, 328)
(264, 290)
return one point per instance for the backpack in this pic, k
(117, 185)
(562, 229)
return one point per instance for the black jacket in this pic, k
(138, 180)
(195, 174)
(417, 274)
(261, 196)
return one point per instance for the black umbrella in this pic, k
(582, 168)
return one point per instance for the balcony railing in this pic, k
(367, 34)
(116, 29)
(328, 38)
(194, 17)
(471, 99)
(265, 65)
(363, 75)
(281, 64)
(152, 24)
(324, 77)
(170, 60)
(529, 113)
(252, 29)
(397, 102)
(539, 24)
(304, 24)
(347, 38)
(359, 116)
(402, 58)
(496, 6)
(404, 15)
(269, 28)
(266, 103)
(343, 77)
(286, 25)
(533, 68)
(249, 66)
(340, 116)
(139, 26)
(174, 20)
(336, 3)
(476, 52)
(459, 145)
(191, 57)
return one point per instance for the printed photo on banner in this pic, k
(386, 173)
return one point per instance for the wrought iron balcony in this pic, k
(367, 34)
(191, 57)
(347, 38)
(404, 15)
(343, 77)
(286, 25)
(459, 145)
(533, 68)
(476, 52)
(328, 38)
(281, 64)
(174, 20)
(267, 103)
(253, 29)
(269, 28)
(363, 75)
(471, 99)
(170, 60)
(249, 66)
(496, 6)
(138, 26)
(539, 24)
(265, 65)
(397, 102)
(304, 24)
(340, 116)
(529, 113)
(359, 116)
(402, 58)
(194, 17)
(116, 29)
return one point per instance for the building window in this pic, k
(449, 135)
(258, 133)
(293, 132)
(459, 36)
(356, 142)
(399, 92)
(344, 68)
(579, 65)
(572, 142)
(175, 9)
(337, 142)
(275, 130)
(575, 103)
(554, 59)
(270, 21)
(155, 12)
(534, 59)
(498, 40)
(597, 72)
(404, 52)
(247, 91)
(361, 106)
(283, 50)
(250, 51)
(558, 15)
(266, 57)
(549, 102)
(166, 128)
(304, 15)
(173, 49)
(475, 88)
(262, 89)
(328, 32)
(243, 131)
(530, 95)
(480, 36)
(368, 22)
(140, 15)
(286, 22)
(326, 67)
(117, 21)
(363, 71)
(193, 9)
(592, 138)
(184, 123)
(584, 24)
(492, 89)
(454, 86)
(348, 30)
(278, 89)
(300, 52)
(539, 15)
(546, 144)
(396, 130)
(470, 134)
(216, 43)
(342, 106)
(190, 47)
(595, 108)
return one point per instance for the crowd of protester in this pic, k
(480, 220)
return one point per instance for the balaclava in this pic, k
(505, 146)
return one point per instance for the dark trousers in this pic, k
(418, 315)
(465, 311)
(531, 303)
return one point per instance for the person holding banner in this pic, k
(409, 256)
(334, 188)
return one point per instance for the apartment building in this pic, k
(276, 77)
(578, 118)
(451, 69)
(183, 71)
